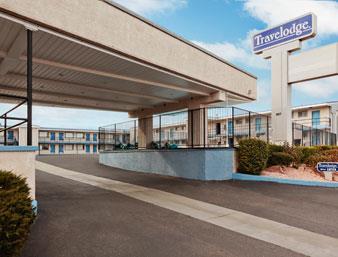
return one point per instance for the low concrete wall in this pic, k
(21, 161)
(201, 164)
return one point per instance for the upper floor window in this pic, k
(239, 121)
(61, 135)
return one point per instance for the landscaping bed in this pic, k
(256, 157)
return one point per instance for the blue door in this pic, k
(87, 137)
(52, 135)
(94, 148)
(10, 135)
(315, 119)
(87, 148)
(61, 148)
(95, 137)
(52, 148)
(258, 125)
(60, 136)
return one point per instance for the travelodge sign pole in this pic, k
(277, 43)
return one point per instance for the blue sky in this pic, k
(225, 28)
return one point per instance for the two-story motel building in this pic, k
(322, 117)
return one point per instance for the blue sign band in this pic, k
(300, 28)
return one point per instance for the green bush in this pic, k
(323, 156)
(280, 158)
(16, 213)
(252, 156)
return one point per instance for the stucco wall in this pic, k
(20, 162)
(201, 164)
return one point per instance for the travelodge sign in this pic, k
(298, 29)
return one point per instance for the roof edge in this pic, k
(174, 35)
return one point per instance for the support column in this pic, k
(29, 85)
(145, 132)
(281, 113)
(198, 127)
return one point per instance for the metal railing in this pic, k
(311, 136)
(199, 128)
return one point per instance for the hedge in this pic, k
(252, 156)
(16, 213)
(280, 158)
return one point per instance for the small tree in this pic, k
(252, 156)
(16, 213)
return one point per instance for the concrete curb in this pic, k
(246, 177)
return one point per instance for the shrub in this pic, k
(307, 152)
(275, 148)
(323, 156)
(252, 156)
(280, 158)
(16, 213)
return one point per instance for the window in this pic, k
(246, 120)
(239, 121)
(94, 148)
(302, 114)
(52, 135)
(258, 124)
(52, 148)
(69, 135)
(79, 135)
(94, 137)
(87, 148)
(218, 128)
(60, 136)
(43, 134)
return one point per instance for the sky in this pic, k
(223, 27)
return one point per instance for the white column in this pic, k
(281, 115)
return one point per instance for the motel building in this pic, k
(98, 55)
(315, 124)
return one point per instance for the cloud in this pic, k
(320, 88)
(239, 53)
(278, 11)
(147, 7)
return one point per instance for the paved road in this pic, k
(81, 220)
(311, 208)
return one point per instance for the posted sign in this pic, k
(299, 28)
(327, 166)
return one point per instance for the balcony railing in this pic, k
(48, 140)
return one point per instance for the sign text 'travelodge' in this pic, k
(296, 29)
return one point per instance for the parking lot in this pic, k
(77, 219)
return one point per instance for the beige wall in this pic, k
(100, 22)
(20, 163)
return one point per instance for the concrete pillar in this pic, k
(281, 113)
(145, 132)
(198, 127)
(23, 136)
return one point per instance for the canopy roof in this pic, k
(95, 55)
